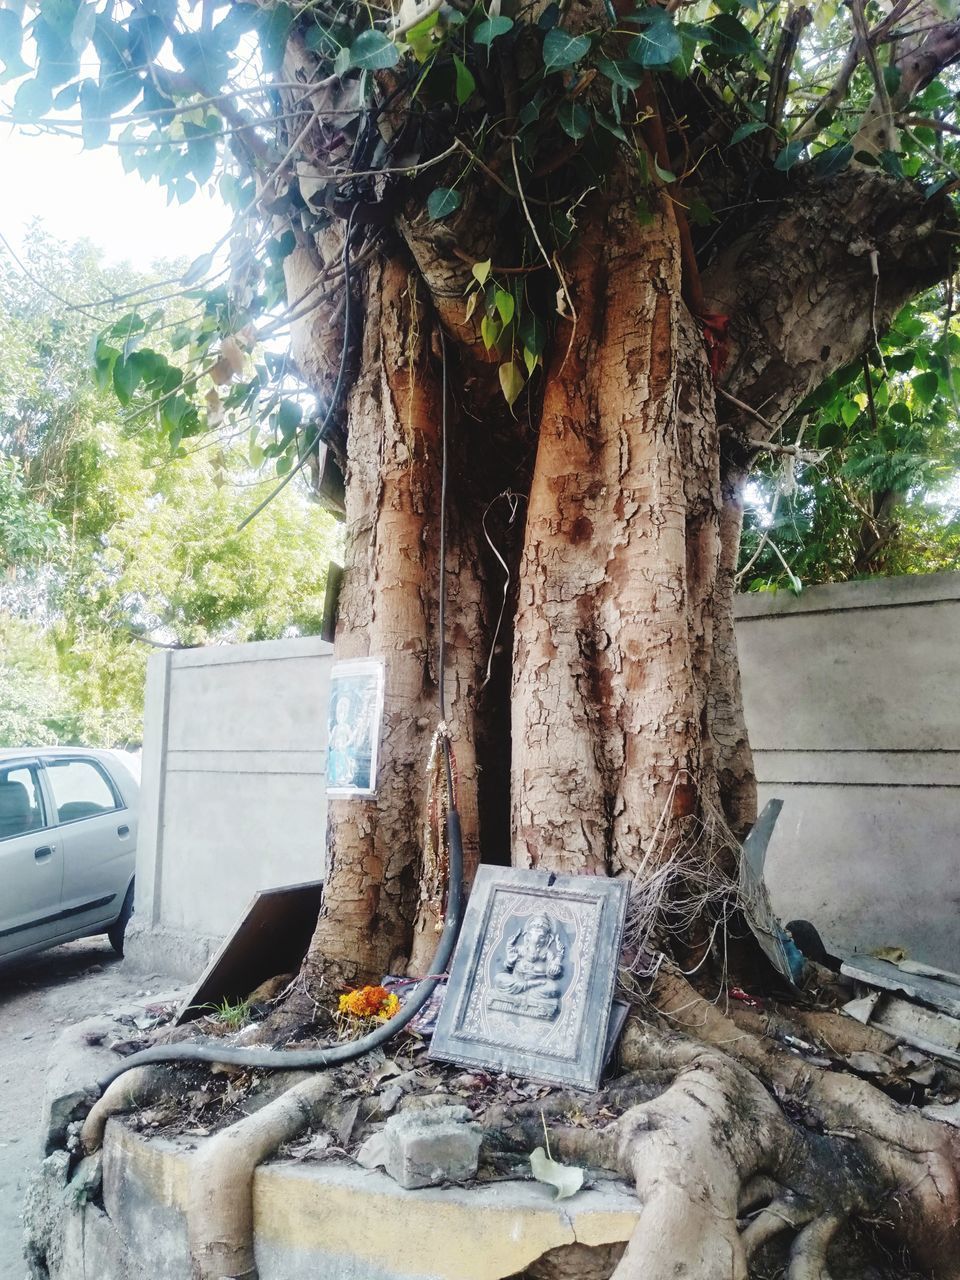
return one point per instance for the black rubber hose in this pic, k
(294, 1059)
(300, 1059)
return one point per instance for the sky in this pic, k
(86, 195)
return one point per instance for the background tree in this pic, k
(873, 487)
(632, 240)
(110, 543)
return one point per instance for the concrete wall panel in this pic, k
(234, 790)
(852, 699)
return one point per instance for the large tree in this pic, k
(630, 241)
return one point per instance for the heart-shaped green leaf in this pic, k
(490, 29)
(466, 84)
(373, 51)
(561, 49)
(511, 381)
(442, 201)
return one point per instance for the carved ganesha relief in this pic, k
(526, 980)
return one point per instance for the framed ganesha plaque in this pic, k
(532, 979)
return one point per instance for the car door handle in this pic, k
(45, 851)
(123, 831)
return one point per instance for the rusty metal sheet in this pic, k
(271, 937)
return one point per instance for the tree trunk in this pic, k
(388, 610)
(614, 629)
(625, 710)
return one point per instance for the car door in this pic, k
(98, 840)
(31, 860)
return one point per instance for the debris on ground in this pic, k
(928, 1019)
(776, 943)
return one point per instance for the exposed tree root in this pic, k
(689, 1151)
(808, 1256)
(788, 1212)
(748, 1159)
(139, 1087)
(220, 1216)
(751, 1145)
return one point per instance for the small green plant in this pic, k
(232, 1013)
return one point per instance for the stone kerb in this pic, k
(330, 1219)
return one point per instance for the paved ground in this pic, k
(38, 997)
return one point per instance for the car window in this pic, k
(80, 789)
(21, 801)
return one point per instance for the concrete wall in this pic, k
(233, 794)
(317, 1218)
(852, 699)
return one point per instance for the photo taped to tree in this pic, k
(354, 725)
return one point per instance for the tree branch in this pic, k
(786, 50)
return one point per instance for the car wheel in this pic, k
(119, 927)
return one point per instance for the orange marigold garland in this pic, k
(369, 1002)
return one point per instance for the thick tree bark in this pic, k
(615, 616)
(733, 759)
(624, 675)
(624, 688)
(388, 610)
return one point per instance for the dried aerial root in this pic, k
(220, 1214)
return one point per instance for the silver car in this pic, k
(68, 840)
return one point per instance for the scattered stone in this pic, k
(425, 1149)
(87, 1181)
(77, 1060)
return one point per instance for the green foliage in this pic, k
(179, 97)
(234, 1014)
(189, 103)
(120, 540)
(27, 531)
(884, 497)
(33, 707)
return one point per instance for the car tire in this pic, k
(118, 929)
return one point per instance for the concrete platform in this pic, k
(329, 1219)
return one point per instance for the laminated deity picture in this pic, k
(355, 719)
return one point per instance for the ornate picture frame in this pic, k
(532, 979)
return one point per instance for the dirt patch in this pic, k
(38, 998)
